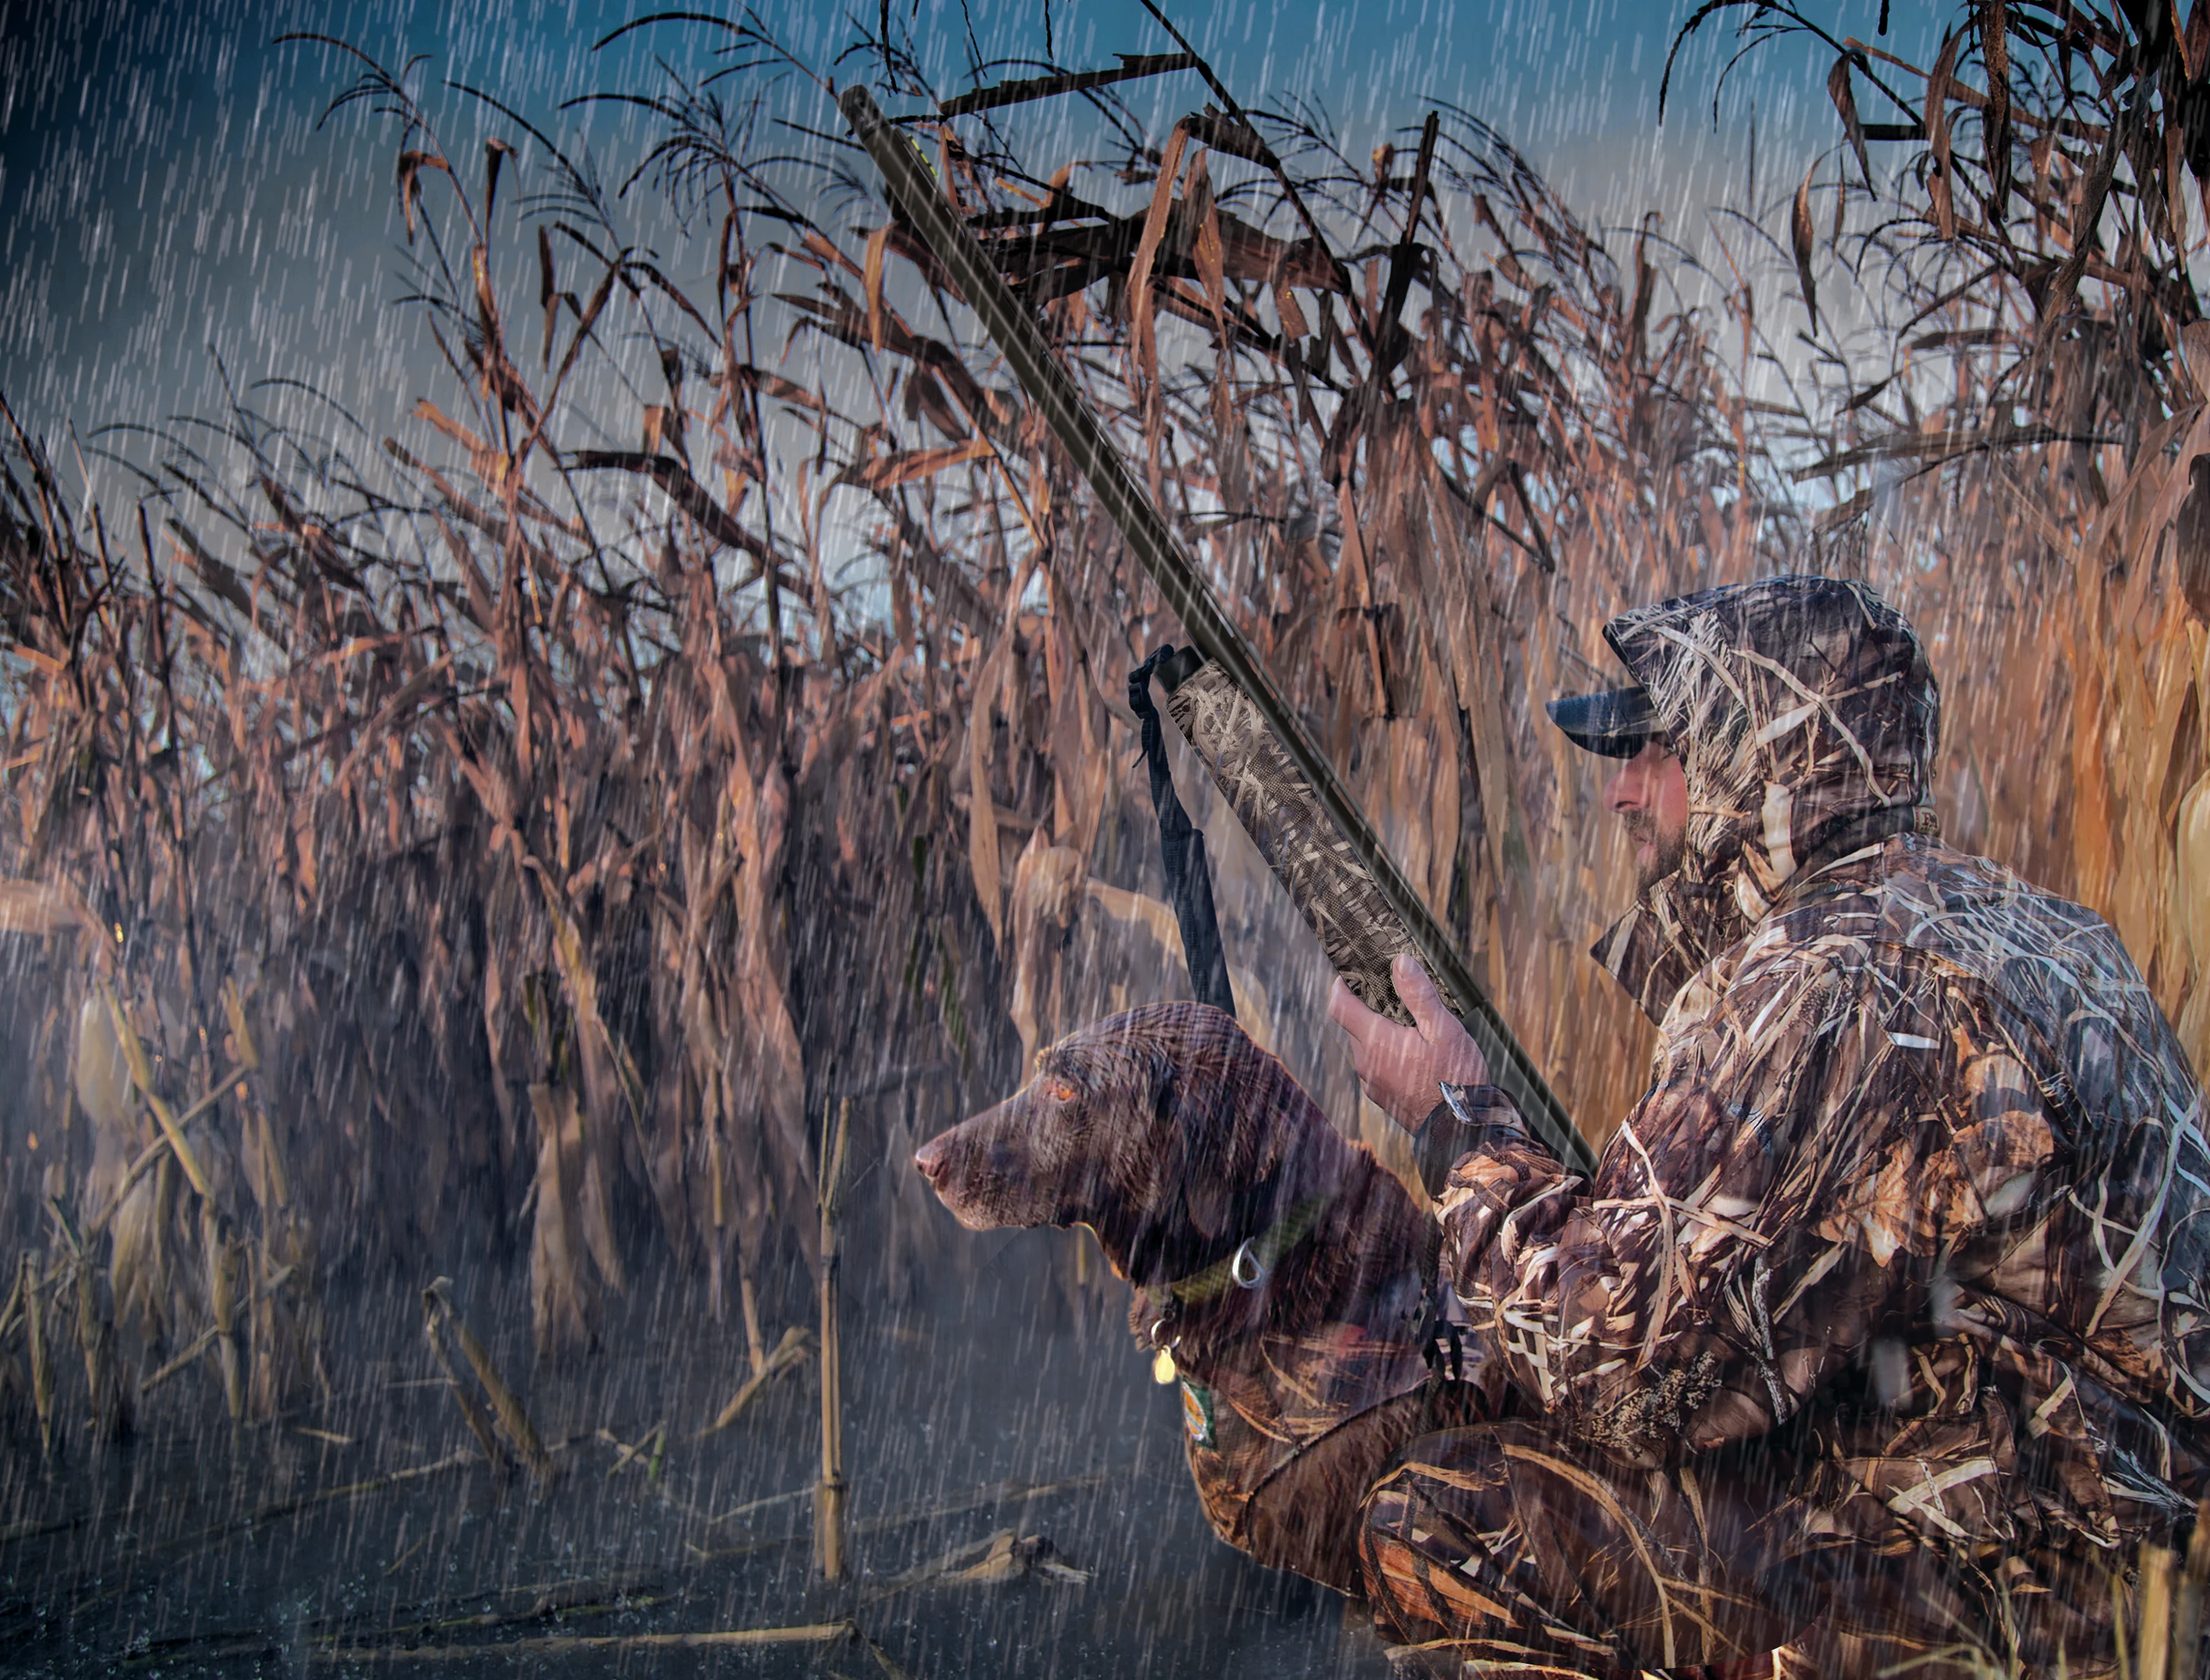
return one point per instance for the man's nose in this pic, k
(1623, 792)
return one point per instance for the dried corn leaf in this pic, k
(2191, 905)
(1143, 341)
(41, 908)
(1839, 90)
(1803, 240)
(890, 471)
(1047, 884)
(1940, 87)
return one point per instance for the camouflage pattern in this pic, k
(1914, 1220)
(1519, 1547)
(1337, 895)
(1285, 1430)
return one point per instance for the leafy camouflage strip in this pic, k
(1512, 1548)
(1920, 1176)
(1356, 927)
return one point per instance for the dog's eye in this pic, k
(1061, 1090)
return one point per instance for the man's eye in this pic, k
(1061, 1090)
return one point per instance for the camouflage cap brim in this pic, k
(1617, 723)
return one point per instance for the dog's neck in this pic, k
(1165, 1244)
(1356, 1253)
(1254, 1260)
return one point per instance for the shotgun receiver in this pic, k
(1280, 785)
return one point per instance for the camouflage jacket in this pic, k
(1920, 1178)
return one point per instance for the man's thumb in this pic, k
(1344, 1010)
(1419, 994)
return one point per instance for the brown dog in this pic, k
(1290, 1277)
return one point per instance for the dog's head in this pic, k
(1165, 1130)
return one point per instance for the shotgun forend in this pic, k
(1333, 891)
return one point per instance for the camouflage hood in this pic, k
(1806, 717)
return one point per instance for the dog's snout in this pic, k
(934, 1161)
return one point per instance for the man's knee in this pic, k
(1445, 1551)
(1442, 1494)
(1517, 1541)
(1464, 1468)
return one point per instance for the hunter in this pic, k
(1878, 1341)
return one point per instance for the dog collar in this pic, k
(1253, 1259)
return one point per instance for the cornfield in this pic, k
(454, 824)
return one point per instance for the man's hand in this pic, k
(1402, 1067)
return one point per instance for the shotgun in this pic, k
(1287, 794)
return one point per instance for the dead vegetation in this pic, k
(481, 828)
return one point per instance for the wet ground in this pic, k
(366, 1532)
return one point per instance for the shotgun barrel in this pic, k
(936, 221)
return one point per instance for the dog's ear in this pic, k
(1217, 1136)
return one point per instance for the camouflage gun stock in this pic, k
(1280, 785)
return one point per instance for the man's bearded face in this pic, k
(1651, 796)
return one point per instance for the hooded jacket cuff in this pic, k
(1468, 1117)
